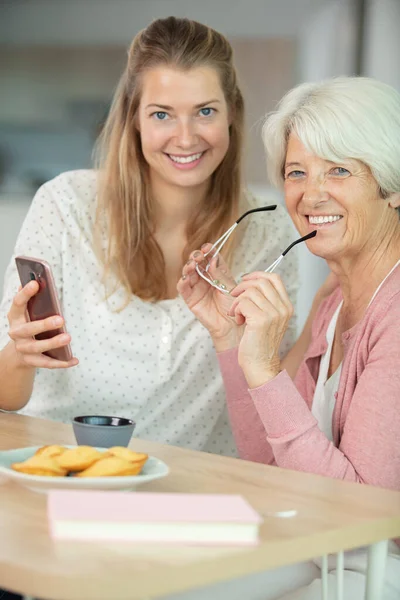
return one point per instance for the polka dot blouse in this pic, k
(152, 362)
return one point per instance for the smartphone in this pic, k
(45, 303)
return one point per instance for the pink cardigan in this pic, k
(273, 423)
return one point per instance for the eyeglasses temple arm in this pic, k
(221, 241)
(302, 239)
(253, 210)
(272, 267)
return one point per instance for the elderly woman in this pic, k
(334, 147)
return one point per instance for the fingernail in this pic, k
(204, 246)
(189, 262)
(57, 321)
(197, 254)
(183, 277)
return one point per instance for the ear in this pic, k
(394, 200)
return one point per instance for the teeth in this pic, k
(185, 159)
(325, 219)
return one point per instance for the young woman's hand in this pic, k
(208, 304)
(263, 307)
(29, 351)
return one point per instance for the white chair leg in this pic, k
(339, 575)
(324, 577)
(377, 554)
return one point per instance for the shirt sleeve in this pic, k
(41, 236)
(247, 427)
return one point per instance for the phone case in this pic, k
(45, 303)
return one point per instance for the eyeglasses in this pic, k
(216, 276)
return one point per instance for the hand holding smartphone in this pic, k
(42, 307)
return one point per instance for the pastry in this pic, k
(79, 458)
(111, 466)
(50, 451)
(127, 454)
(40, 465)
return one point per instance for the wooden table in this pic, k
(331, 516)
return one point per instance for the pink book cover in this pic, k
(149, 507)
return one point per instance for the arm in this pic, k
(41, 237)
(247, 427)
(369, 450)
(16, 380)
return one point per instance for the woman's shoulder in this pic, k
(73, 187)
(72, 196)
(384, 310)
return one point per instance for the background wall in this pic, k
(60, 61)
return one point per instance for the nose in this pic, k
(314, 192)
(186, 135)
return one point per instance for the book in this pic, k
(173, 518)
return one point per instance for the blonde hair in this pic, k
(337, 119)
(124, 200)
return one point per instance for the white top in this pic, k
(153, 362)
(324, 396)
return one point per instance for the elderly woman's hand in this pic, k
(208, 304)
(262, 304)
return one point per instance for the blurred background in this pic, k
(60, 62)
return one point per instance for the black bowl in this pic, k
(102, 431)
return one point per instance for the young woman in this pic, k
(117, 238)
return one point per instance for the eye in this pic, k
(341, 171)
(294, 174)
(207, 112)
(160, 115)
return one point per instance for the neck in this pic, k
(361, 274)
(174, 206)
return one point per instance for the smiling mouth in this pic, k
(322, 219)
(184, 160)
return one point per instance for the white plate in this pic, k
(153, 469)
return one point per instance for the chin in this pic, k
(323, 252)
(191, 180)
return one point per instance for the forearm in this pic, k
(295, 438)
(16, 380)
(247, 428)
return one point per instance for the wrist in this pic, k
(228, 341)
(258, 375)
(16, 358)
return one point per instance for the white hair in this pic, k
(337, 119)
